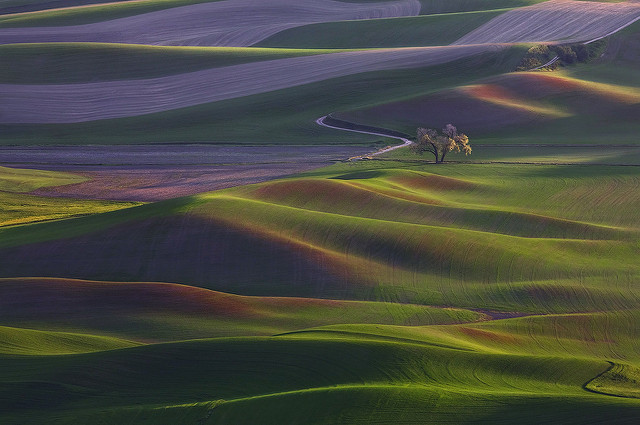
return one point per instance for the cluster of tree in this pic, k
(429, 140)
(567, 54)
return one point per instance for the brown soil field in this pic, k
(157, 172)
(149, 184)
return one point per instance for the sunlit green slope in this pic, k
(252, 378)
(17, 206)
(466, 235)
(34, 342)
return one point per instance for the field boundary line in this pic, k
(614, 31)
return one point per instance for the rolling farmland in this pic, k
(182, 243)
(96, 101)
(503, 295)
(125, 98)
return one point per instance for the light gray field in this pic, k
(224, 23)
(555, 20)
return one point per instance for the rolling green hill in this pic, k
(24, 180)
(32, 342)
(20, 207)
(460, 235)
(147, 312)
(407, 292)
(430, 30)
(261, 378)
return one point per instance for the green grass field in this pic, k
(24, 180)
(429, 30)
(417, 244)
(162, 312)
(33, 5)
(58, 63)
(31, 342)
(367, 292)
(20, 207)
(388, 231)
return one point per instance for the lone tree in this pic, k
(429, 140)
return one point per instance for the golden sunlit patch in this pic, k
(499, 96)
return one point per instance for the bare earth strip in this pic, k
(157, 172)
(69, 103)
(224, 23)
(555, 20)
(149, 184)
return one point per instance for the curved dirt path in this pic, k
(223, 23)
(406, 142)
(68, 103)
(567, 21)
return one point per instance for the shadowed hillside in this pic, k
(470, 235)
(168, 312)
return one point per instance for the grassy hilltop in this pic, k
(498, 288)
